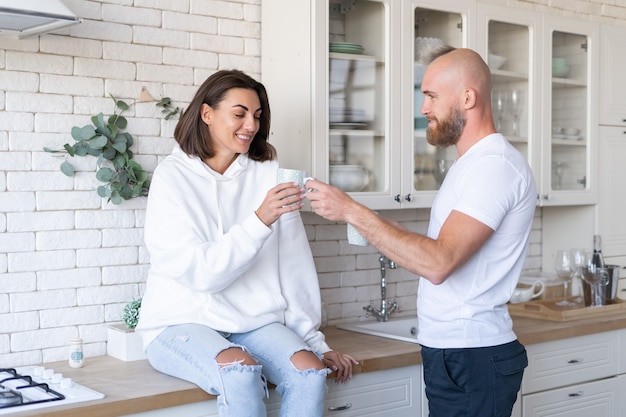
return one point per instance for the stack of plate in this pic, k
(347, 115)
(346, 48)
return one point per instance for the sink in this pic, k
(403, 328)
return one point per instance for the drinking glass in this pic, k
(515, 100)
(580, 258)
(565, 270)
(558, 168)
(499, 107)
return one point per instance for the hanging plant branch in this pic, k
(105, 140)
(168, 109)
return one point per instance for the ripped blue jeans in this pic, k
(189, 351)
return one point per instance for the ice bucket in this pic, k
(600, 286)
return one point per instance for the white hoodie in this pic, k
(213, 262)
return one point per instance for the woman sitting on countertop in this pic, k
(232, 295)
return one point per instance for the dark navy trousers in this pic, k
(473, 382)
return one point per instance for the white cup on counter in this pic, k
(522, 295)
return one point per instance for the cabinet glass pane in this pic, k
(508, 59)
(433, 28)
(358, 148)
(569, 112)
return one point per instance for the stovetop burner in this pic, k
(17, 389)
(34, 387)
(9, 397)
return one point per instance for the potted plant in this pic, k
(122, 341)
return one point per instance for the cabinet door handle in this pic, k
(340, 407)
(408, 197)
(397, 198)
(576, 394)
(577, 360)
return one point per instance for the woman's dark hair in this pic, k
(192, 133)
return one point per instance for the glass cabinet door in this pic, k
(432, 29)
(358, 148)
(569, 116)
(509, 44)
(570, 74)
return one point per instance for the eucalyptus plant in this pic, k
(124, 178)
(131, 313)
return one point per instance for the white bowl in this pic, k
(495, 61)
(349, 178)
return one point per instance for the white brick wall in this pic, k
(68, 261)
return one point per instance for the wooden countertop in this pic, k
(133, 387)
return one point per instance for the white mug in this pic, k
(355, 238)
(522, 295)
(291, 175)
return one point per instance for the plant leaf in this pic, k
(121, 105)
(67, 169)
(105, 174)
(119, 161)
(120, 146)
(98, 120)
(98, 142)
(103, 191)
(81, 149)
(83, 133)
(116, 198)
(109, 153)
(70, 149)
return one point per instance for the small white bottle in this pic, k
(76, 353)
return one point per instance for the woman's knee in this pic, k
(305, 359)
(233, 356)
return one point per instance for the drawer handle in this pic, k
(579, 360)
(340, 408)
(576, 394)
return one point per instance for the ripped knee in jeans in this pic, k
(234, 356)
(306, 359)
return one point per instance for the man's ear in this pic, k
(469, 98)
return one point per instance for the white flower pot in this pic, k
(124, 344)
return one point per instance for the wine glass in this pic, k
(442, 166)
(558, 167)
(565, 270)
(580, 258)
(499, 107)
(515, 101)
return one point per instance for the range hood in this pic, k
(23, 18)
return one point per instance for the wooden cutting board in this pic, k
(549, 310)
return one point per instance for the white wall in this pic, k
(69, 262)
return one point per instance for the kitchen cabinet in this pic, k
(612, 80)
(394, 392)
(575, 377)
(610, 209)
(569, 123)
(611, 224)
(510, 41)
(543, 106)
(342, 98)
(345, 92)
(597, 398)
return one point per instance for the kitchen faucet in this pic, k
(386, 308)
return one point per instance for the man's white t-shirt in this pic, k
(492, 183)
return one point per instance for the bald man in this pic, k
(471, 258)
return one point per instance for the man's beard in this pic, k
(447, 132)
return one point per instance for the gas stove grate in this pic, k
(15, 384)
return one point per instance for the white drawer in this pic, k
(393, 392)
(570, 361)
(598, 399)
